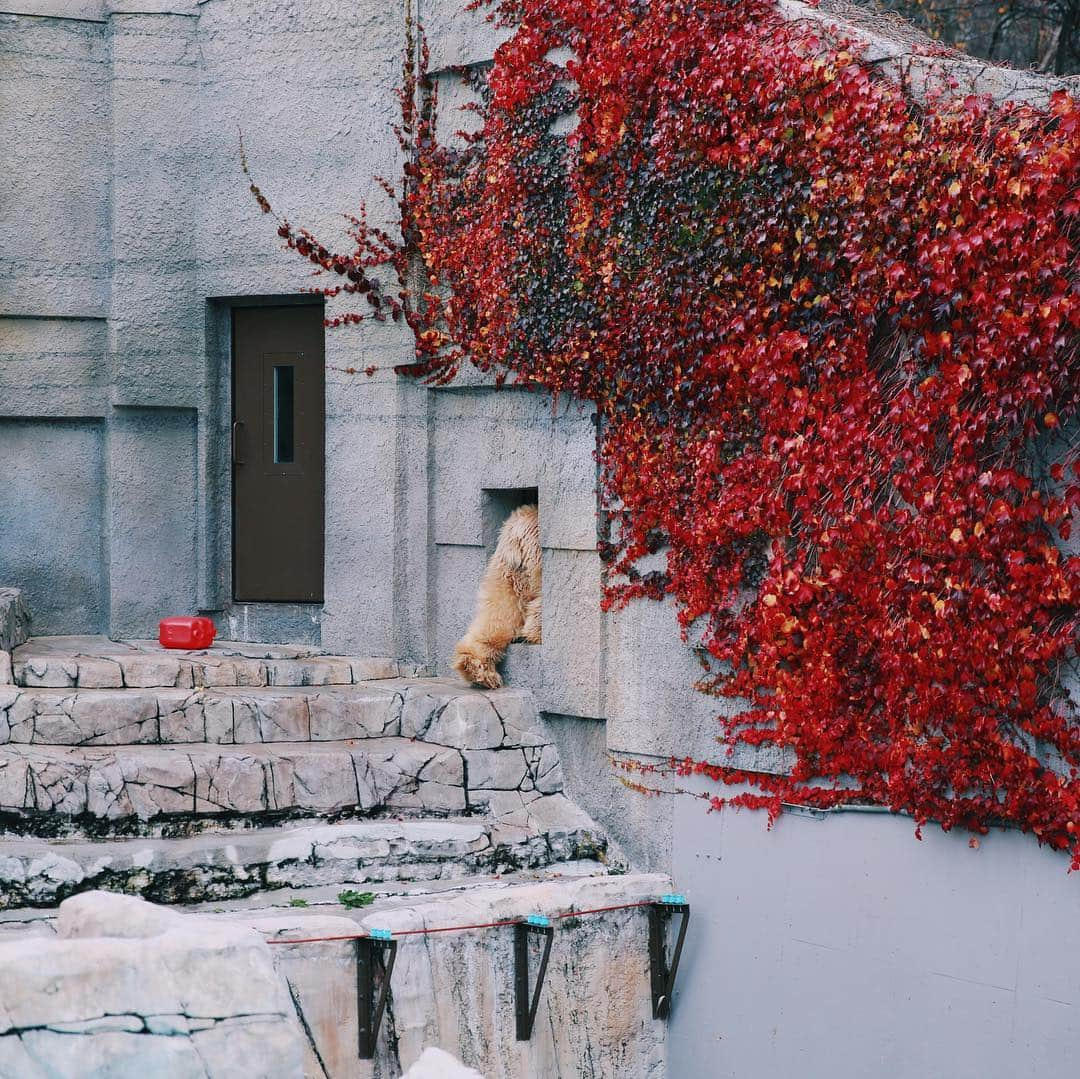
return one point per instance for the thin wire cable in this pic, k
(461, 928)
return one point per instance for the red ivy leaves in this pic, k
(831, 334)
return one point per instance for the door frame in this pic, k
(272, 622)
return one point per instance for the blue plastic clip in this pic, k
(538, 919)
(675, 899)
(380, 934)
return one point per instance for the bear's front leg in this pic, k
(497, 622)
(530, 631)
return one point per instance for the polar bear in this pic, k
(508, 604)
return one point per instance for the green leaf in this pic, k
(352, 899)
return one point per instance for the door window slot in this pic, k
(283, 415)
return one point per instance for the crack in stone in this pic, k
(499, 717)
(269, 785)
(397, 709)
(465, 781)
(92, 740)
(298, 780)
(356, 776)
(420, 771)
(432, 717)
(213, 1020)
(308, 1033)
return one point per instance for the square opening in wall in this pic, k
(498, 504)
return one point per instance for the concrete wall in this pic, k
(485, 442)
(126, 233)
(843, 947)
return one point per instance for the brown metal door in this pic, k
(279, 421)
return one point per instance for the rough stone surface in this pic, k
(125, 743)
(227, 716)
(594, 1017)
(137, 758)
(130, 990)
(231, 864)
(147, 782)
(455, 990)
(14, 619)
(320, 976)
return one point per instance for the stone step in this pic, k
(95, 662)
(49, 789)
(434, 710)
(229, 865)
(313, 900)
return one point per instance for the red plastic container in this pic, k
(186, 632)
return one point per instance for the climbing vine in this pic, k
(830, 330)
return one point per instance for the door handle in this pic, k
(237, 424)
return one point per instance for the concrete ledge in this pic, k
(455, 990)
(216, 866)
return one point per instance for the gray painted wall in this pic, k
(828, 947)
(843, 947)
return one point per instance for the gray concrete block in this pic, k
(53, 367)
(52, 528)
(489, 439)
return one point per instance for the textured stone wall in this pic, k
(55, 259)
(456, 990)
(116, 986)
(130, 990)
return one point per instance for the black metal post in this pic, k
(661, 974)
(524, 1006)
(370, 1012)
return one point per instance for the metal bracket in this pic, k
(370, 1012)
(661, 975)
(524, 1006)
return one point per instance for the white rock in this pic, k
(128, 989)
(435, 1063)
(122, 917)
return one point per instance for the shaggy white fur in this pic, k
(508, 604)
